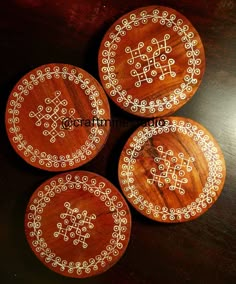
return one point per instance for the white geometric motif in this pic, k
(98, 189)
(52, 115)
(109, 53)
(75, 225)
(24, 90)
(209, 189)
(157, 63)
(170, 170)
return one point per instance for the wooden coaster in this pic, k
(172, 173)
(53, 117)
(78, 224)
(151, 61)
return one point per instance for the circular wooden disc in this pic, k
(172, 173)
(151, 61)
(78, 224)
(51, 117)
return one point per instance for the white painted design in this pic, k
(24, 89)
(52, 115)
(209, 190)
(75, 225)
(97, 189)
(171, 170)
(189, 41)
(151, 61)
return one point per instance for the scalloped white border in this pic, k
(100, 191)
(108, 59)
(24, 90)
(208, 191)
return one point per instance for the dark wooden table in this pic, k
(36, 32)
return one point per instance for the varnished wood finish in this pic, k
(50, 117)
(151, 61)
(172, 173)
(36, 32)
(78, 224)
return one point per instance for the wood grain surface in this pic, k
(172, 173)
(38, 32)
(52, 117)
(78, 224)
(151, 61)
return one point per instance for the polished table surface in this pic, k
(36, 32)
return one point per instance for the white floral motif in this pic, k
(208, 191)
(24, 90)
(75, 225)
(171, 170)
(101, 192)
(52, 116)
(109, 54)
(155, 65)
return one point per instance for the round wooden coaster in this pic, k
(172, 173)
(78, 224)
(151, 61)
(55, 117)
